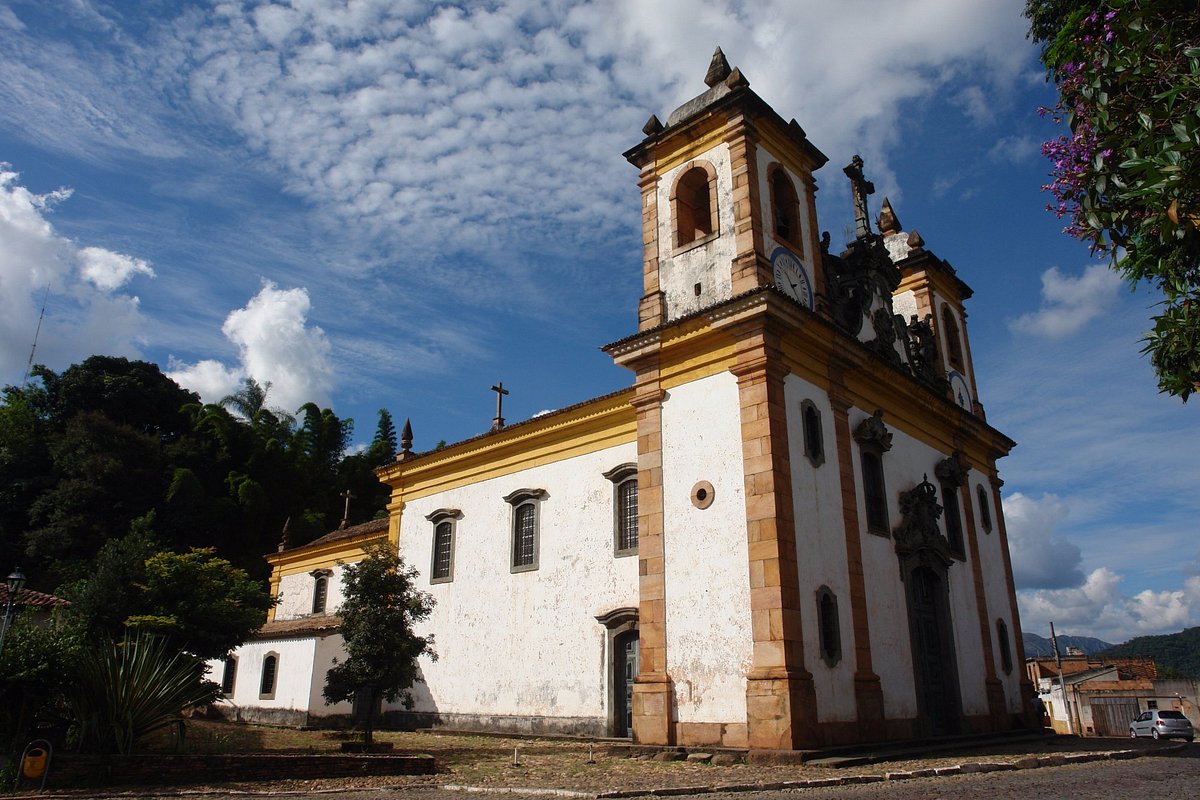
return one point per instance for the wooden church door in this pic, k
(933, 652)
(625, 665)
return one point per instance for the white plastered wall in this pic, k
(995, 586)
(524, 644)
(821, 551)
(707, 264)
(296, 593)
(707, 584)
(904, 466)
(295, 676)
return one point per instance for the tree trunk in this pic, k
(369, 730)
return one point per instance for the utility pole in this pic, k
(1062, 685)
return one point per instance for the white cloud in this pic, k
(85, 315)
(276, 345)
(209, 378)
(1015, 149)
(456, 129)
(1069, 303)
(1097, 608)
(108, 270)
(1040, 558)
(976, 105)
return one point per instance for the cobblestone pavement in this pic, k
(1112, 768)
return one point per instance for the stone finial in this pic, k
(888, 222)
(718, 69)
(795, 126)
(652, 126)
(284, 537)
(915, 242)
(405, 441)
(736, 79)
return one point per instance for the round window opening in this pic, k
(702, 494)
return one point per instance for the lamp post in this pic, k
(15, 583)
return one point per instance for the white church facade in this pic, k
(786, 533)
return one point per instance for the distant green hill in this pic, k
(1176, 654)
(1038, 646)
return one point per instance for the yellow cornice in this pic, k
(589, 427)
(948, 287)
(310, 557)
(676, 150)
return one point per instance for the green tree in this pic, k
(36, 669)
(201, 603)
(1127, 174)
(380, 607)
(383, 446)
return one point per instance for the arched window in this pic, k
(814, 440)
(954, 352)
(785, 205)
(694, 205)
(270, 666)
(829, 628)
(627, 515)
(1006, 660)
(320, 593)
(985, 511)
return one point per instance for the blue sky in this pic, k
(382, 204)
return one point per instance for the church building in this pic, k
(785, 533)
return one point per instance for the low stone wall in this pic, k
(85, 770)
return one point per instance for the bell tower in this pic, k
(728, 202)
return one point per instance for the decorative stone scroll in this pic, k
(873, 434)
(951, 471)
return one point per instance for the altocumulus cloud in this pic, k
(275, 345)
(86, 312)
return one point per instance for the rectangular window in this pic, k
(627, 517)
(875, 495)
(443, 550)
(228, 675)
(525, 536)
(954, 531)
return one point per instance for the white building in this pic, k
(786, 533)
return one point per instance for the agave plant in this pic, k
(126, 690)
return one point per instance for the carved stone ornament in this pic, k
(923, 354)
(951, 471)
(855, 277)
(918, 537)
(885, 324)
(871, 433)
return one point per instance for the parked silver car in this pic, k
(1162, 725)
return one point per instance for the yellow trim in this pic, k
(598, 425)
(936, 282)
(781, 147)
(679, 150)
(308, 558)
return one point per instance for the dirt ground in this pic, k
(570, 765)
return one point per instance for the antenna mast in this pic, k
(37, 333)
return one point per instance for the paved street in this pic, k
(1172, 777)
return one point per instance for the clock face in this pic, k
(791, 277)
(960, 389)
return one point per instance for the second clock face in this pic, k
(791, 277)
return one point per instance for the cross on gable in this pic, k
(498, 420)
(860, 187)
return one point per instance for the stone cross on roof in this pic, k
(498, 420)
(860, 187)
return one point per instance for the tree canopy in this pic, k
(380, 608)
(1126, 175)
(87, 453)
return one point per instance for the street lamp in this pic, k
(15, 583)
